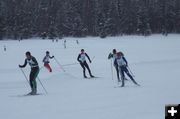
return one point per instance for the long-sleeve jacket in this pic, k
(121, 61)
(32, 62)
(113, 56)
(82, 57)
(46, 58)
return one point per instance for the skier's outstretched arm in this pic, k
(25, 63)
(78, 58)
(51, 57)
(44, 59)
(110, 56)
(88, 57)
(125, 61)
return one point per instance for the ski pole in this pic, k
(112, 70)
(63, 68)
(70, 64)
(41, 68)
(92, 58)
(42, 85)
(131, 72)
(24, 75)
(59, 64)
(114, 81)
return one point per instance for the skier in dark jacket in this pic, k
(82, 60)
(46, 61)
(114, 56)
(122, 65)
(34, 71)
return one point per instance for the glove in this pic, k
(90, 61)
(20, 66)
(52, 56)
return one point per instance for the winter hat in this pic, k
(28, 53)
(114, 51)
(47, 52)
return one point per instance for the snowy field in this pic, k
(154, 60)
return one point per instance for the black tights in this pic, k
(84, 65)
(124, 69)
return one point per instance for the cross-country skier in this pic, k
(46, 61)
(82, 60)
(114, 56)
(122, 65)
(77, 41)
(4, 48)
(34, 71)
(65, 44)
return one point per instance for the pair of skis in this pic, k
(95, 77)
(119, 84)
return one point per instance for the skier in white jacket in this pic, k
(122, 65)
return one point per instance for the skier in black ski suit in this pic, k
(82, 60)
(122, 65)
(114, 56)
(34, 71)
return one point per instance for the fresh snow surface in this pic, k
(154, 60)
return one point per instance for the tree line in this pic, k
(80, 18)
